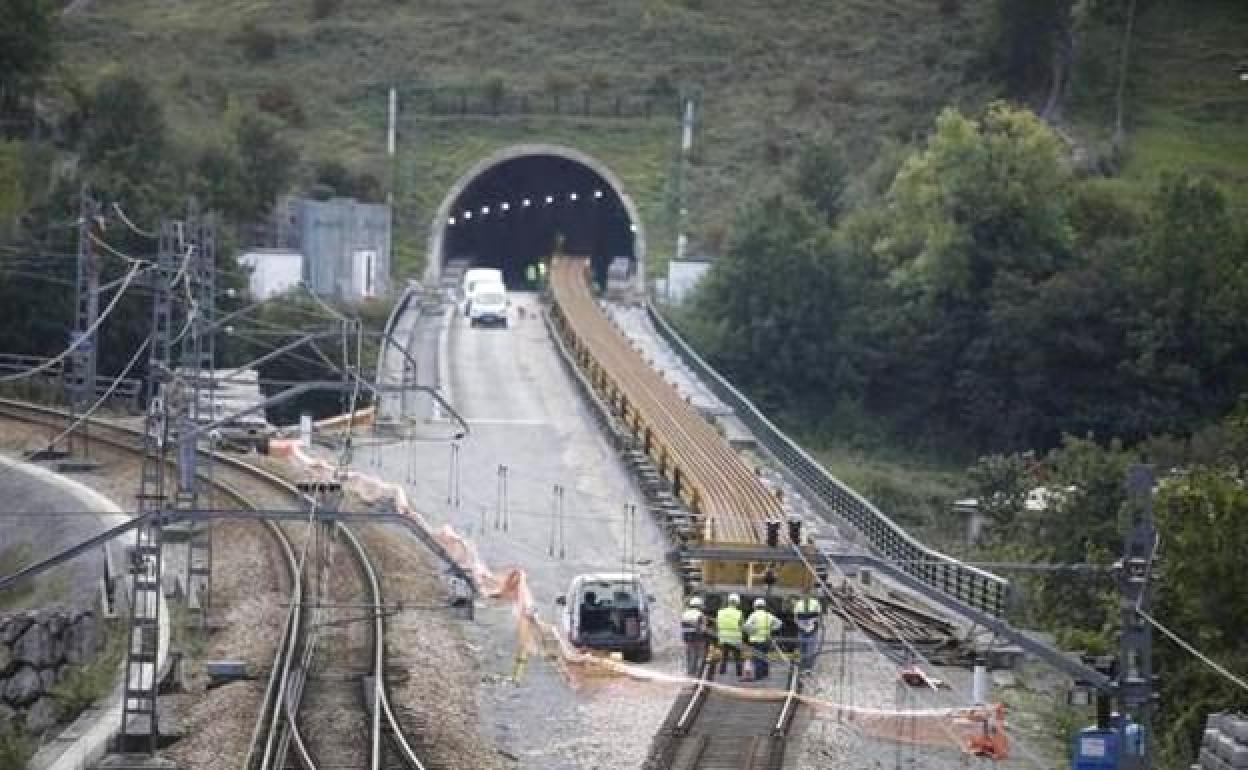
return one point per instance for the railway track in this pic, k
(711, 729)
(277, 739)
(708, 727)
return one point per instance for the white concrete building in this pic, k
(683, 275)
(273, 271)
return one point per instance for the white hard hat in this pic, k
(695, 601)
(734, 599)
(760, 603)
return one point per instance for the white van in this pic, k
(608, 611)
(489, 305)
(477, 277)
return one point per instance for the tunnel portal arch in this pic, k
(607, 226)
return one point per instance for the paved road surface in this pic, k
(32, 498)
(525, 413)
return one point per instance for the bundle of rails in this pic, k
(703, 469)
(731, 508)
(277, 722)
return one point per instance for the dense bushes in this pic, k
(985, 299)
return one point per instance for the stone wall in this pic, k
(1225, 743)
(37, 650)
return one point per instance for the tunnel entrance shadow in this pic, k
(514, 208)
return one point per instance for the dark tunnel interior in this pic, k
(509, 216)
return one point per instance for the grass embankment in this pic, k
(769, 76)
(915, 491)
(50, 589)
(1184, 108)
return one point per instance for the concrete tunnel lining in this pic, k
(438, 238)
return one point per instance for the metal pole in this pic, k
(81, 382)
(1135, 683)
(686, 146)
(498, 499)
(563, 550)
(554, 513)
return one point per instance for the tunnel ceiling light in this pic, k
(467, 215)
(451, 221)
(550, 199)
(572, 197)
(526, 203)
(485, 210)
(505, 206)
(632, 227)
(597, 193)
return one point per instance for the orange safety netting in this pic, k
(978, 730)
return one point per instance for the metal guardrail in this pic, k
(126, 392)
(969, 585)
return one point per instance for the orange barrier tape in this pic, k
(979, 730)
(361, 417)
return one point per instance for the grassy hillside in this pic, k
(769, 74)
(1186, 108)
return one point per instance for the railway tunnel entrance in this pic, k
(509, 210)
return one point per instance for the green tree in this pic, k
(27, 50)
(983, 196)
(1000, 484)
(774, 298)
(1191, 304)
(1203, 523)
(12, 197)
(821, 177)
(125, 137)
(268, 161)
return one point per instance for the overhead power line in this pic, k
(122, 215)
(94, 407)
(87, 334)
(1203, 658)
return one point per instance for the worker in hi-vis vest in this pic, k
(806, 612)
(728, 632)
(693, 625)
(759, 627)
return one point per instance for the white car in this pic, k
(476, 278)
(608, 611)
(489, 305)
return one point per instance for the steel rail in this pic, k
(381, 703)
(719, 729)
(270, 711)
(713, 728)
(284, 689)
(274, 701)
(714, 478)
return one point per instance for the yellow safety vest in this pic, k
(728, 625)
(806, 613)
(807, 607)
(760, 626)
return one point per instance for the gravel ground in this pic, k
(427, 653)
(332, 718)
(249, 585)
(862, 677)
